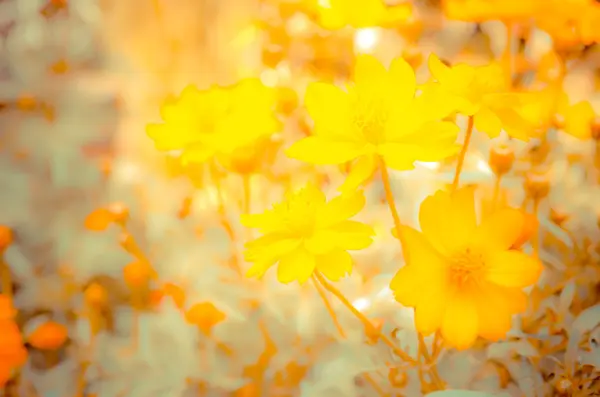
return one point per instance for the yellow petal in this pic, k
(460, 324)
(340, 208)
(438, 69)
(369, 73)
(335, 265)
(486, 121)
(500, 230)
(512, 269)
(406, 286)
(403, 82)
(434, 141)
(360, 172)
(448, 220)
(320, 151)
(352, 235)
(269, 248)
(298, 265)
(397, 156)
(578, 120)
(321, 242)
(515, 125)
(329, 107)
(493, 310)
(420, 252)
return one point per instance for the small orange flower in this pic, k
(205, 315)
(461, 277)
(99, 220)
(138, 274)
(48, 336)
(12, 352)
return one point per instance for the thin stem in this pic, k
(536, 236)
(508, 58)
(374, 385)
(463, 152)
(6, 278)
(435, 377)
(496, 196)
(389, 196)
(364, 319)
(328, 306)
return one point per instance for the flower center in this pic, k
(370, 117)
(466, 268)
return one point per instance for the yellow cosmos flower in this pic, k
(215, 122)
(482, 92)
(336, 14)
(305, 233)
(461, 277)
(485, 10)
(379, 115)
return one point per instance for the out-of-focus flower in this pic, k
(336, 14)
(305, 233)
(205, 316)
(216, 122)
(482, 92)
(577, 118)
(6, 237)
(461, 277)
(571, 22)
(12, 352)
(48, 336)
(485, 10)
(379, 115)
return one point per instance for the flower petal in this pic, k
(335, 265)
(316, 150)
(406, 286)
(512, 269)
(369, 72)
(448, 220)
(500, 230)
(360, 172)
(461, 323)
(340, 208)
(486, 121)
(494, 311)
(403, 82)
(329, 107)
(353, 235)
(420, 252)
(321, 242)
(298, 265)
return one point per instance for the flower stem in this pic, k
(364, 319)
(374, 385)
(329, 307)
(536, 236)
(463, 152)
(389, 196)
(7, 289)
(496, 191)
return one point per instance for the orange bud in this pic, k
(48, 336)
(27, 102)
(558, 217)
(59, 67)
(99, 220)
(119, 212)
(137, 274)
(530, 226)
(176, 293)
(205, 315)
(287, 100)
(6, 237)
(537, 185)
(502, 158)
(96, 295)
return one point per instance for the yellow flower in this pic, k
(461, 277)
(336, 14)
(485, 10)
(305, 233)
(578, 118)
(482, 92)
(379, 115)
(215, 122)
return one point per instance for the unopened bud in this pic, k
(502, 158)
(537, 185)
(6, 237)
(120, 212)
(558, 217)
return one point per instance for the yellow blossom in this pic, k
(305, 233)
(484, 93)
(336, 14)
(462, 277)
(215, 122)
(485, 10)
(578, 118)
(377, 116)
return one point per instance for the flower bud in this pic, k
(537, 185)
(6, 237)
(502, 158)
(120, 212)
(96, 295)
(558, 217)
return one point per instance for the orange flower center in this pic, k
(465, 268)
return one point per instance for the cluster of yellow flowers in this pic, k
(462, 276)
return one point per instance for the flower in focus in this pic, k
(482, 92)
(336, 14)
(305, 233)
(463, 277)
(216, 122)
(379, 115)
